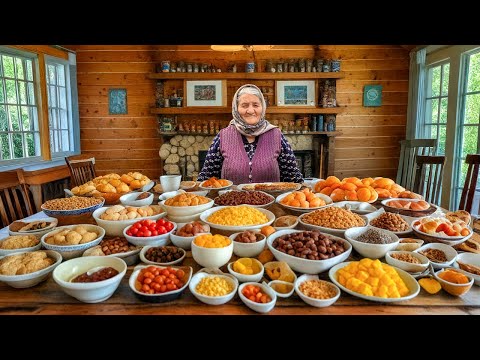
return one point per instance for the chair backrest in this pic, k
(14, 200)
(468, 192)
(81, 170)
(406, 165)
(428, 177)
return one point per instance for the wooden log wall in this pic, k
(369, 144)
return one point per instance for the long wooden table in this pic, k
(48, 298)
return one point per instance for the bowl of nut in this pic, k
(252, 198)
(315, 252)
(186, 232)
(115, 247)
(248, 243)
(72, 210)
(316, 292)
(162, 255)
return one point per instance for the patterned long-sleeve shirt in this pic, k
(287, 163)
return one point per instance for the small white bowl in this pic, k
(248, 249)
(39, 233)
(170, 194)
(211, 257)
(285, 227)
(247, 278)
(92, 292)
(213, 300)
(453, 288)
(259, 307)
(72, 251)
(449, 251)
(34, 278)
(412, 245)
(470, 259)
(130, 199)
(404, 265)
(159, 240)
(312, 301)
(186, 210)
(275, 283)
(184, 242)
(200, 192)
(358, 207)
(130, 257)
(184, 219)
(146, 261)
(4, 252)
(372, 251)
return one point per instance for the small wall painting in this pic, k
(372, 95)
(117, 101)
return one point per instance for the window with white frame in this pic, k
(19, 130)
(22, 129)
(436, 104)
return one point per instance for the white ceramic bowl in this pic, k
(259, 307)
(39, 233)
(372, 251)
(307, 266)
(327, 199)
(414, 244)
(159, 240)
(409, 280)
(310, 182)
(275, 283)
(404, 265)
(213, 300)
(130, 257)
(200, 192)
(312, 301)
(398, 233)
(184, 242)
(212, 257)
(470, 259)
(4, 252)
(34, 278)
(357, 207)
(92, 292)
(230, 183)
(247, 278)
(285, 227)
(115, 228)
(387, 201)
(248, 249)
(336, 232)
(206, 214)
(449, 240)
(72, 251)
(130, 199)
(266, 205)
(449, 251)
(184, 219)
(146, 261)
(186, 210)
(170, 194)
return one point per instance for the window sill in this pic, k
(34, 166)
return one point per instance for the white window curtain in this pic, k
(416, 93)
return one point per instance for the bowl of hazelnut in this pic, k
(248, 243)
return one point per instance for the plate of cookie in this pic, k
(271, 187)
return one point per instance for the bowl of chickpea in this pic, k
(213, 289)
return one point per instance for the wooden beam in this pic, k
(43, 109)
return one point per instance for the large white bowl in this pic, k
(72, 251)
(213, 300)
(449, 251)
(39, 233)
(115, 228)
(245, 277)
(259, 307)
(186, 210)
(130, 199)
(248, 249)
(212, 257)
(4, 252)
(404, 265)
(305, 265)
(470, 259)
(159, 240)
(449, 240)
(92, 292)
(408, 279)
(312, 301)
(327, 199)
(34, 278)
(372, 251)
(336, 232)
(204, 216)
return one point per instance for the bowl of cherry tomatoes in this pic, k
(150, 232)
(159, 283)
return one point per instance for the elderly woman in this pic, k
(250, 149)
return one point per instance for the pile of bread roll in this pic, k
(112, 183)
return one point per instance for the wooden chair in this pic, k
(14, 198)
(428, 177)
(468, 192)
(81, 170)
(407, 166)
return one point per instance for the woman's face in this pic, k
(250, 108)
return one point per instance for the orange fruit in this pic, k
(267, 230)
(364, 194)
(332, 180)
(319, 185)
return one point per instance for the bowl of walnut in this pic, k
(71, 241)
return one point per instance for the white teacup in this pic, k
(170, 182)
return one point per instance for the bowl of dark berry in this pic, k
(162, 255)
(248, 243)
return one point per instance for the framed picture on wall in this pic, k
(295, 93)
(206, 93)
(117, 101)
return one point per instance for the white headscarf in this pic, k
(246, 129)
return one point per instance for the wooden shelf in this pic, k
(228, 110)
(256, 76)
(311, 133)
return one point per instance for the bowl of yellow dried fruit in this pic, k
(212, 251)
(246, 269)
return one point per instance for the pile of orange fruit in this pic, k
(303, 199)
(213, 182)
